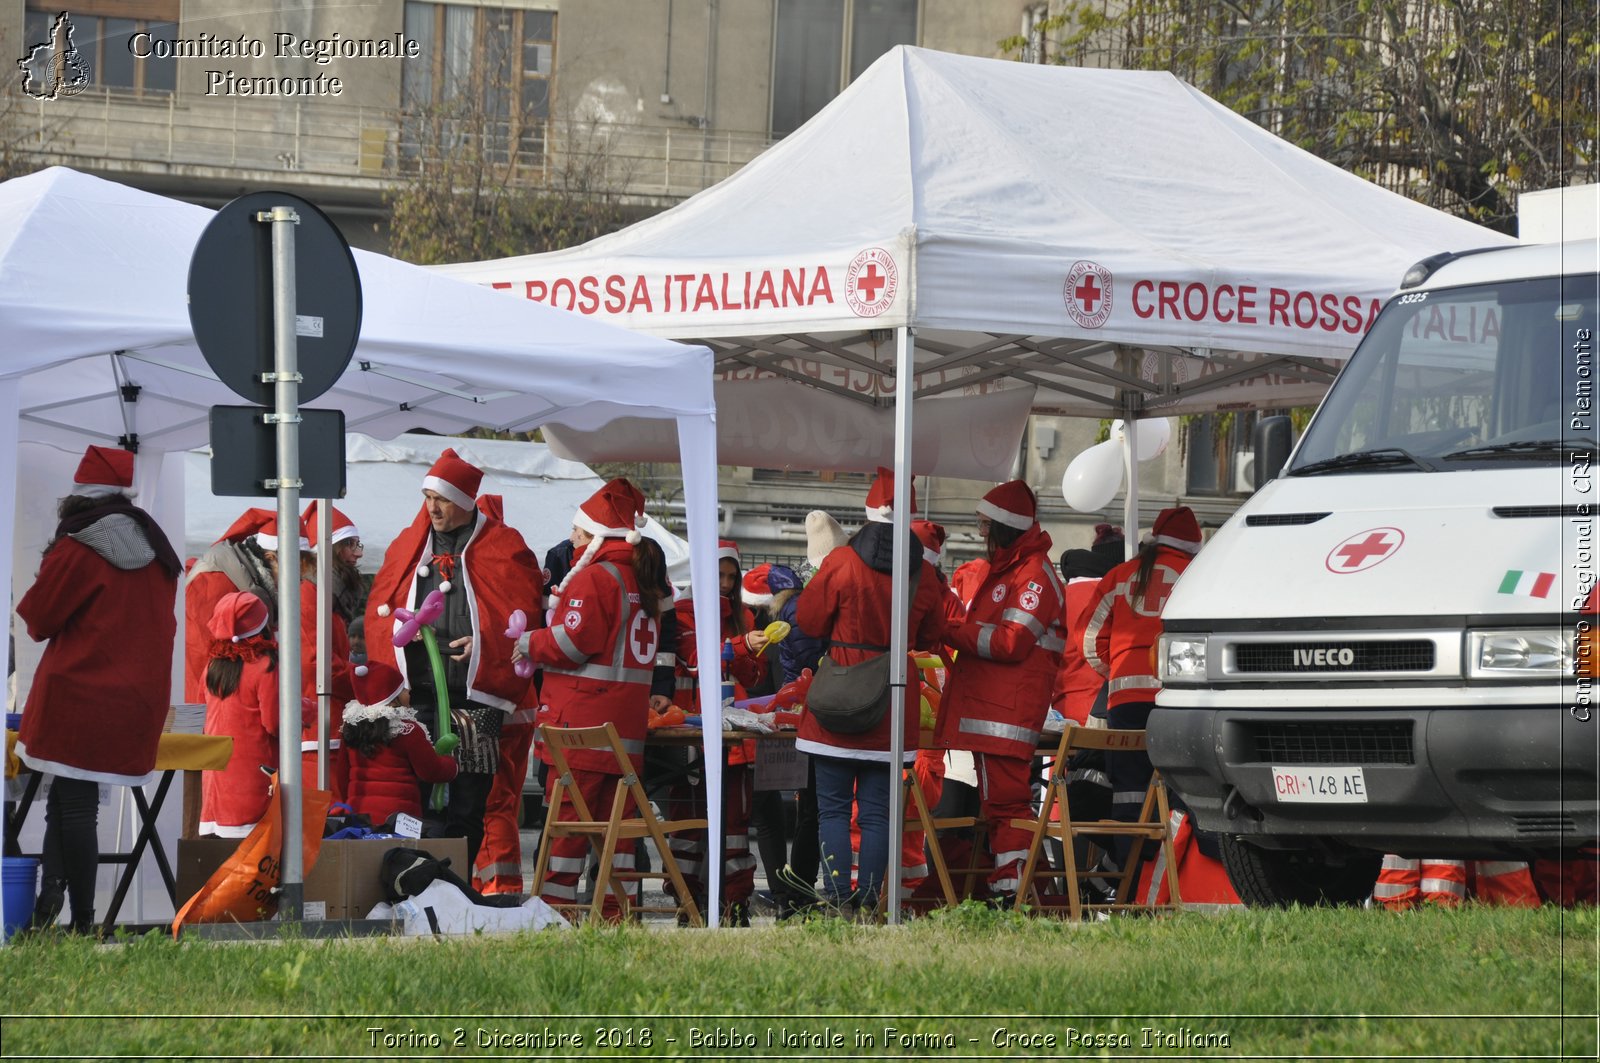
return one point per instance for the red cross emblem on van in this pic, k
(1363, 550)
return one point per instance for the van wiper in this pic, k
(1522, 448)
(1374, 458)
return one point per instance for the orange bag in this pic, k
(245, 888)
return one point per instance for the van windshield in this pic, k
(1458, 377)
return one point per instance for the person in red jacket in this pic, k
(847, 603)
(746, 669)
(242, 703)
(104, 599)
(233, 563)
(386, 754)
(598, 656)
(273, 548)
(485, 572)
(499, 865)
(1008, 650)
(1124, 624)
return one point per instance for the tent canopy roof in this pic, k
(1083, 233)
(92, 293)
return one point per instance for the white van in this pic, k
(1375, 653)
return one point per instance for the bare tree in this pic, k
(1457, 103)
(484, 172)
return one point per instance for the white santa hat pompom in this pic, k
(361, 669)
(383, 609)
(637, 531)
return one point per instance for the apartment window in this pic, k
(1221, 452)
(485, 73)
(820, 46)
(103, 33)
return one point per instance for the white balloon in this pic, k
(1092, 479)
(1151, 436)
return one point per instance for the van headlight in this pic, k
(1182, 658)
(1526, 653)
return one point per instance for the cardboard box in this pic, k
(342, 884)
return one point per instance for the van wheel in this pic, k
(1277, 878)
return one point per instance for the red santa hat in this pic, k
(823, 536)
(1012, 504)
(931, 536)
(250, 521)
(757, 592)
(727, 548)
(1177, 527)
(267, 537)
(237, 616)
(453, 479)
(376, 683)
(616, 511)
(104, 471)
(343, 527)
(880, 497)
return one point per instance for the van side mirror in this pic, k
(1273, 439)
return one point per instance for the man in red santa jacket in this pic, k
(598, 656)
(485, 572)
(1009, 648)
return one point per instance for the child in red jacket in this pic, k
(385, 754)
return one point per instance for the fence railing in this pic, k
(354, 145)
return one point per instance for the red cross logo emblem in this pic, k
(870, 283)
(1156, 592)
(1363, 550)
(642, 639)
(1088, 293)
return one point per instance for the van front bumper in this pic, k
(1441, 781)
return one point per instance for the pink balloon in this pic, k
(410, 623)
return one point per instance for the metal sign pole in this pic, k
(324, 636)
(286, 415)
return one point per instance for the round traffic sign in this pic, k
(230, 297)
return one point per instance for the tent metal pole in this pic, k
(899, 607)
(286, 416)
(1131, 408)
(697, 443)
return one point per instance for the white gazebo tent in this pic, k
(1007, 237)
(98, 349)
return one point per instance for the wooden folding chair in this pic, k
(605, 834)
(1151, 826)
(920, 817)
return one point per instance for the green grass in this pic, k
(1479, 982)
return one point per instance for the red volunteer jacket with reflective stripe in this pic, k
(1009, 651)
(598, 656)
(1120, 631)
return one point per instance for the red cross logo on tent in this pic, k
(642, 639)
(1363, 550)
(871, 282)
(1088, 293)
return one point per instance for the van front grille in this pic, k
(1404, 655)
(1379, 742)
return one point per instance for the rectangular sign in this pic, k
(1319, 785)
(780, 766)
(244, 452)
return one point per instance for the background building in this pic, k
(639, 102)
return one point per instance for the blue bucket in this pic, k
(20, 883)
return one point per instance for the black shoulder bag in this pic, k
(850, 699)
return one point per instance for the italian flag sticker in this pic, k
(1528, 584)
